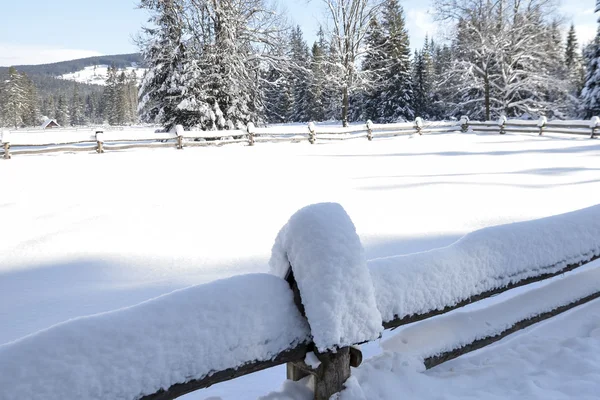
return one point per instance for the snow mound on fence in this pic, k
(452, 331)
(138, 350)
(484, 260)
(329, 265)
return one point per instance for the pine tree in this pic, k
(571, 48)
(375, 66)
(15, 102)
(441, 91)
(333, 90)
(31, 114)
(316, 91)
(590, 94)
(397, 94)
(111, 97)
(278, 93)
(163, 50)
(423, 81)
(76, 110)
(316, 111)
(300, 76)
(132, 93)
(62, 111)
(93, 110)
(123, 101)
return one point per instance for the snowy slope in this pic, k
(96, 74)
(87, 233)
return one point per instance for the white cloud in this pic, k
(582, 15)
(419, 24)
(11, 54)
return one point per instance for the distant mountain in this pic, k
(68, 67)
(57, 78)
(97, 74)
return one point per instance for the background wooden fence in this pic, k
(109, 139)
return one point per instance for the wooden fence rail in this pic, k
(102, 140)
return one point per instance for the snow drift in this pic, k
(171, 339)
(484, 260)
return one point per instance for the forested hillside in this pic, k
(66, 67)
(31, 92)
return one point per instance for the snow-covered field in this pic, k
(87, 233)
(96, 74)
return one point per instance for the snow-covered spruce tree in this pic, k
(349, 23)
(49, 107)
(332, 90)
(559, 102)
(132, 96)
(300, 76)
(123, 102)
(31, 114)
(110, 97)
(318, 79)
(62, 111)
(162, 48)
(77, 111)
(574, 63)
(15, 98)
(442, 59)
(423, 81)
(397, 92)
(374, 66)
(590, 94)
(277, 90)
(213, 80)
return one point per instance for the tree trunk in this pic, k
(487, 96)
(345, 107)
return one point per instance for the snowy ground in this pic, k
(86, 233)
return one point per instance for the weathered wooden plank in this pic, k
(46, 150)
(419, 317)
(296, 354)
(431, 362)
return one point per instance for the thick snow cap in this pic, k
(135, 351)
(329, 265)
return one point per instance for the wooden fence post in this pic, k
(250, 129)
(5, 139)
(542, 124)
(312, 136)
(334, 367)
(594, 124)
(464, 124)
(502, 124)
(179, 131)
(419, 125)
(369, 130)
(99, 142)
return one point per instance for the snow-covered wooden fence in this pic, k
(503, 125)
(102, 139)
(321, 299)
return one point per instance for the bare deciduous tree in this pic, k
(349, 22)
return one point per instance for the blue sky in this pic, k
(39, 31)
